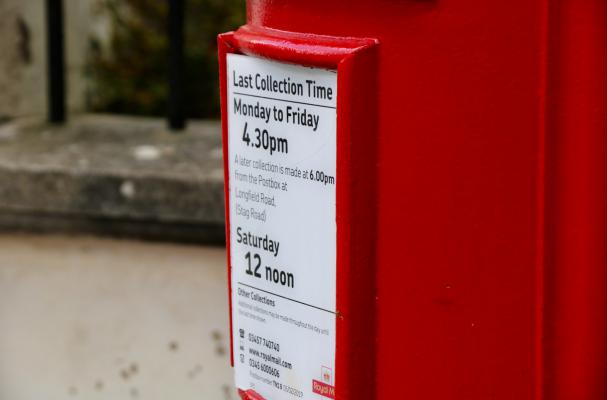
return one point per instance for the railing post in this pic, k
(56, 61)
(176, 106)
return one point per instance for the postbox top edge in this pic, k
(295, 47)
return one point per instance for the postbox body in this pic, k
(469, 190)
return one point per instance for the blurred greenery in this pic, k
(128, 72)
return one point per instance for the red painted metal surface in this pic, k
(249, 395)
(576, 274)
(472, 222)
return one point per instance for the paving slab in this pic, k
(89, 318)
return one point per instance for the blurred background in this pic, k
(112, 259)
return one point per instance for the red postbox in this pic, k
(416, 199)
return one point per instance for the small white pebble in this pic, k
(127, 189)
(146, 152)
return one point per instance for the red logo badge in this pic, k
(323, 389)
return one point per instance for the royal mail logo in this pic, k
(323, 389)
(327, 375)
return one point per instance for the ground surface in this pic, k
(86, 318)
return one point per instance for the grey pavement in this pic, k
(89, 318)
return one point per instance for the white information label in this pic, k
(282, 163)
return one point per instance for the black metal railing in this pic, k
(56, 61)
(176, 105)
(176, 114)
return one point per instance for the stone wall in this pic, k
(23, 78)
